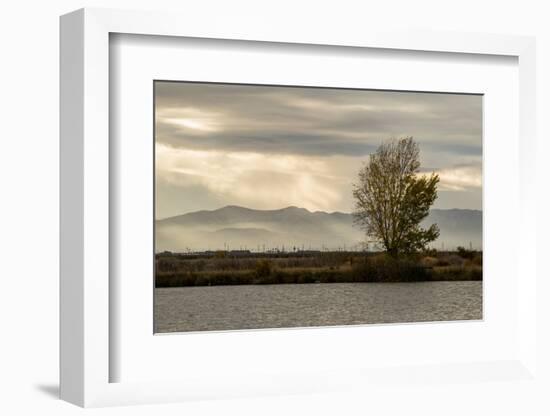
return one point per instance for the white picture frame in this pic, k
(86, 334)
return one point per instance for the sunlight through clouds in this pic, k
(460, 178)
(252, 179)
(271, 147)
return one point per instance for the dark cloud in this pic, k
(314, 121)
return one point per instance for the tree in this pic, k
(392, 198)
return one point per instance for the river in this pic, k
(218, 308)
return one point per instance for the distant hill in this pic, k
(233, 227)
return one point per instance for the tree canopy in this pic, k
(392, 198)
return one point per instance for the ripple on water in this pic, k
(218, 308)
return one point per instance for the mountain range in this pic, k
(234, 227)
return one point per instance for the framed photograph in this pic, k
(276, 204)
(274, 212)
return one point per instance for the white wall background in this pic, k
(29, 184)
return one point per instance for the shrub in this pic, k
(476, 273)
(450, 260)
(465, 254)
(174, 279)
(384, 268)
(429, 261)
(456, 273)
(478, 259)
(263, 268)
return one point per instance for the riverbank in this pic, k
(336, 267)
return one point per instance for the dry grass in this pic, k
(338, 267)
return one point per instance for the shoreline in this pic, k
(321, 283)
(331, 267)
(248, 280)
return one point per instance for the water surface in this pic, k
(301, 305)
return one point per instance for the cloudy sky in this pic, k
(271, 147)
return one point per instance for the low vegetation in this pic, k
(224, 268)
